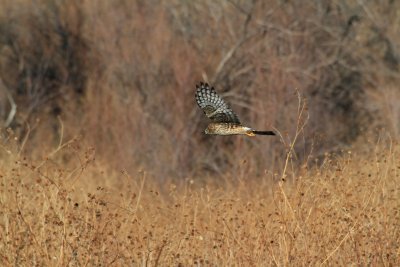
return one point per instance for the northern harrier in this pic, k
(223, 120)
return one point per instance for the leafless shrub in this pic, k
(44, 56)
(136, 103)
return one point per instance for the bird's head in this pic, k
(210, 129)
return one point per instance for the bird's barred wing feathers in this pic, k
(213, 105)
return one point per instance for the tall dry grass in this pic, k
(345, 212)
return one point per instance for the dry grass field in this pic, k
(103, 156)
(345, 212)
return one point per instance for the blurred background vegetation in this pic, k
(121, 75)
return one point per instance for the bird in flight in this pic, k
(223, 120)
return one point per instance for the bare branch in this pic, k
(13, 109)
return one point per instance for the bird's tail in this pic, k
(263, 132)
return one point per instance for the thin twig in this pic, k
(13, 109)
(140, 191)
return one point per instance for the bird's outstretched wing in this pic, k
(213, 105)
